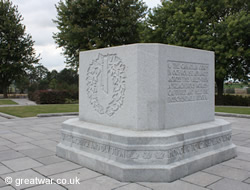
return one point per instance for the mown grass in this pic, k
(31, 111)
(237, 110)
(234, 85)
(7, 102)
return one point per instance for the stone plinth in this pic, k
(147, 86)
(146, 114)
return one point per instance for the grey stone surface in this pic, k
(240, 164)
(4, 170)
(21, 139)
(7, 188)
(50, 160)
(182, 185)
(81, 174)
(201, 178)
(9, 154)
(3, 148)
(103, 183)
(24, 102)
(232, 115)
(243, 149)
(21, 163)
(124, 154)
(146, 86)
(240, 125)
(47, 187)
(241, 137)
(243, 156)
(229, 184)
(247, 180)
(2, 183)
(22, 146)
(37, 152)
(228, 172)
(18, 176)
(135, 95)
(5, 142)
(133, 186)
(57, 168)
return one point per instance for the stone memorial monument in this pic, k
(146, 114)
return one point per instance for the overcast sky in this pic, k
(38, 17)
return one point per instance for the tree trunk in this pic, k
(220, 87)
(5, 92)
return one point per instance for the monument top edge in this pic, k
(147, 133)
(145, 44)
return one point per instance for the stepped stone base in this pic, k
(146, 156)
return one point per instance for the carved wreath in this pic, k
(116, 69)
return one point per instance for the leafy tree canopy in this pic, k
(16, 47)
(222, 26)
(88, 24)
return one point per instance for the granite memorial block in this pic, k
(146, 113)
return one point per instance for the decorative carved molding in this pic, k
(176, 153)
(106, 74)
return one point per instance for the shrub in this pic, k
(248, 90)
(231, 100)
(230, 91)
(71, 101)
(53, 96)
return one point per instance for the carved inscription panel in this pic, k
(187, 82)
(106, 83)
(176, 153)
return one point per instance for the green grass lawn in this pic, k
(31, 111)
(7, 102)
(237, 110)
(234, 85)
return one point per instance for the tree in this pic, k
(222, 26)
(88, 24)
(16, 47)
(68, 76)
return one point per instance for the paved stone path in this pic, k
(23, 102)
(27, 151)
(20, 102)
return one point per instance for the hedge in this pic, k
(52, 96)
(231, 100)
(230, 91)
